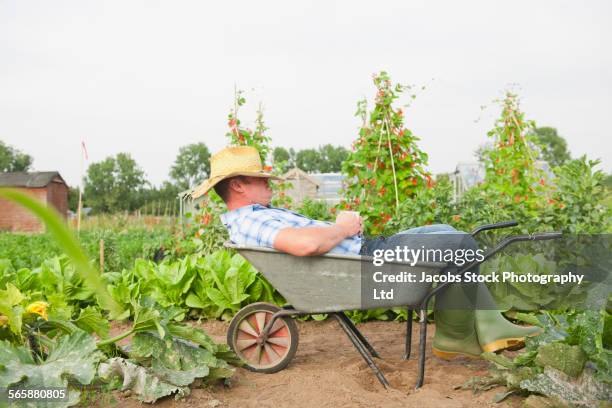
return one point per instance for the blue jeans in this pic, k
(438, 236)
(448, 238)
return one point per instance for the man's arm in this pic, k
(309, 241)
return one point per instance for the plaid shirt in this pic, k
(256, 225)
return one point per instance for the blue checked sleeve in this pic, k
(260, 229)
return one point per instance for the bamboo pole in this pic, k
(101, 256)
(80, 205)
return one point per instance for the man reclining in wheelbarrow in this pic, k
(238, 178)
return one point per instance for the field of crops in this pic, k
(57, 314)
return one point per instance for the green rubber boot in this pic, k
(494, 331)
(455, 328)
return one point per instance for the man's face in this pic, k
(257, 190)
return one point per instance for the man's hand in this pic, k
(351, 223)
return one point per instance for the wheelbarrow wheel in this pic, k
(244, 336)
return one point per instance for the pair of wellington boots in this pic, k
(467, 332)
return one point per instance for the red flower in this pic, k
(429, 181)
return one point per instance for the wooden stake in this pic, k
(101, 256)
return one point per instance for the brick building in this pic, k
(48, 186)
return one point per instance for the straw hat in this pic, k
(233, 161)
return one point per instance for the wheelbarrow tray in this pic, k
(333, 282)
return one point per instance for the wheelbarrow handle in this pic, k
(503, 224)
(543, 236)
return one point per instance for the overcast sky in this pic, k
(147, 77)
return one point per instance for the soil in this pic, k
(327, 371)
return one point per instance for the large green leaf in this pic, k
(568, 359)
(10, 300)
(584, 391)
(74, 357)
(91, 320)
(142, 381)
(170, 364)
(173, 354)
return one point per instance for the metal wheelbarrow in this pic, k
(264, 335)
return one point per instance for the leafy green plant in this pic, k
(11, 310)
(73, 357)
(569, 363)
(317, 210)
(577, 205)
(429, 206)
(207, 233)
(227, 283)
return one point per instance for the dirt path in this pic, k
(328, 372)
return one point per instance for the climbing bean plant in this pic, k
(385, 166)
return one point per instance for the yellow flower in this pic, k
(3, 320)
(39, 308)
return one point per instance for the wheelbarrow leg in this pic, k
(362, 350)
(422, 345)
(359, 335)
(408, 334)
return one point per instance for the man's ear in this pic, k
(236, 185)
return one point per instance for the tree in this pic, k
(191, 166)
(331, 158)
(114, 184)
(12, 159)
(607, 182)
(73, 198)
(554, 147)
(280, 154)
(308, 160)
(156, 200)
(283, 158)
